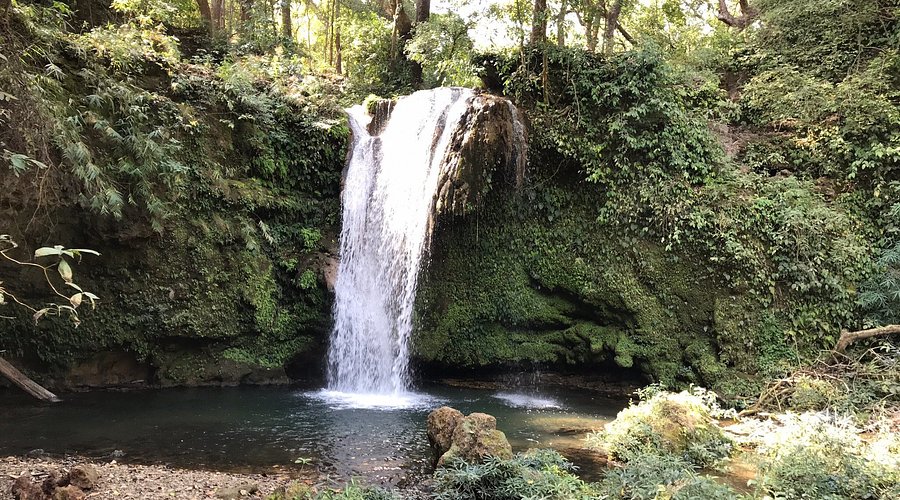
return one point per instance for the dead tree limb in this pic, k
(25, 383)
(848, 337)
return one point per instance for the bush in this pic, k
(817, 456)
(352, 491)
(667, 424)
(535, 474)
(652, 476)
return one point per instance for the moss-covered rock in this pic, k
(532, 278)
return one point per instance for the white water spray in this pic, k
(388, 202)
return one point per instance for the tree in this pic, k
(205, 14)
(594, 13)
(561, 23)
(287, 28)
(539, 23)
(612, 22)
(748, 15)
(423, 10)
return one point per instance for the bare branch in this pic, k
(848, 338)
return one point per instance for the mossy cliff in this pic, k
(525, 280)
(636, 243)
(211, 191)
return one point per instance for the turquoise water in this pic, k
(255, 428)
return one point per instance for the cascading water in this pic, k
(388, 203)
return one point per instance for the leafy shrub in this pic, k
(818, 456)
(536, 474)
(649, 476)
(666, 423)
(880, 295)
(352, 491)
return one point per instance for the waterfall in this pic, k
(388, 201)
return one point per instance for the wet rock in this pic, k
(84, 476)
(23, 488)
(488, 150)
(70, 492)
(474, 438)
(441, 424)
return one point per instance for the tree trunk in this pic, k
(591, 30)
(336, 29)
(402, 30)
(246, 9)
(205, 14)
(337, 48)
(539, 23)
(218, 15)
(25, 383)
(423, 10)
(609, 30)
(561, 24)
(748, 15)
(287, 26)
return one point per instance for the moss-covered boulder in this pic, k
(440, 426)
(475, 438)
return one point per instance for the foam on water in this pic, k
(337, 400)
(527, 401)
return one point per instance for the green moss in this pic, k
(530, 278)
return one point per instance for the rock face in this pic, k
(490, 148)
(472, 439)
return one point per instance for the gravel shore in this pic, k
(145, 482)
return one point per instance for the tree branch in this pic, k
(748, 15)
(848, 338)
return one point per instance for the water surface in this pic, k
(254, 428)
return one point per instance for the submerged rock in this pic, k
(473, 437)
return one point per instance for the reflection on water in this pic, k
(261, 427)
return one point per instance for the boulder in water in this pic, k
(474, 437)
(441, 424)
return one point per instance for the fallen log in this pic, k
(848, 337)
(25, 383)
